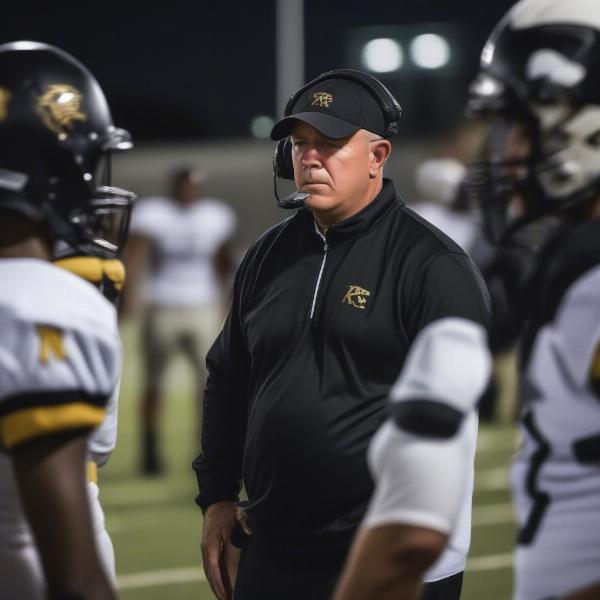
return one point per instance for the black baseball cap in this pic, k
(337, 108)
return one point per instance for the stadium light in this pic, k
(382, 55)
(430, 51)
(261, 125)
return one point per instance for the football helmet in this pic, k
(539, 91)
(56, 138)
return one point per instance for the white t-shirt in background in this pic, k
(185, 239)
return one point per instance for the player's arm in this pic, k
(135, 255)
(418, 462)
(419, 488)
(388, 562)
(591, 592)
(224, 263)
(50, 474)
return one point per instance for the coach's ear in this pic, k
(379, 151)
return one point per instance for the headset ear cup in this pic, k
(282, 159)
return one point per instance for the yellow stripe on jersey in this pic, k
(23, 425)
(52, 343)
(595, 370)
(92, 471)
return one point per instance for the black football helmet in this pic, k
(540, 70)
(56, 138)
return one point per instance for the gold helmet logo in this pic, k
(322, 99)
(4, 100)
(59, 106)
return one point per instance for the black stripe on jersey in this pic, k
(541, 499)
(564, 259)
(49, 398)
(427, 418)
(587, 450)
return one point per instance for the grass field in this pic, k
(156, 527)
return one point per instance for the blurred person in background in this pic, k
(539, 92)
(60, 353)
(444, 201)
(179, 249)
(439, 183)
(329, 307)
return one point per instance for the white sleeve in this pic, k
(575, 332)
(448, 362)
(418, 481)
(419, 466)
(103, 439)
(54, 378)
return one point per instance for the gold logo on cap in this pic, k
(356, 296)
(4, 100)
(322, 99)
(59, 106)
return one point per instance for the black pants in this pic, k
(266, 575)
(444, 589)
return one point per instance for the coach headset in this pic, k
(282, 157)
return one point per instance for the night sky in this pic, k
(203, 70)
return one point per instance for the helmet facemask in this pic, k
(560, 171)
(539, 70)
(99, 226)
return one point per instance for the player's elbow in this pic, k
(415, 549)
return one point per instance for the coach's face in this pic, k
(341, 176)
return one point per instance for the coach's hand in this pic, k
(219, 521)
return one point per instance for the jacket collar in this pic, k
(361, 222)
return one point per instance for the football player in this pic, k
(60, 354)
(424, 447)
(539, 91)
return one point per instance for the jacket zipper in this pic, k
(325, 248)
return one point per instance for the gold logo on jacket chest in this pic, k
(356, 296)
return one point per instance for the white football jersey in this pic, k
(184, 240)
(60, 361)
(556, 474)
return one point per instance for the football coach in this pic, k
(327, 307)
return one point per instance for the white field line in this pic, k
(488, 443)
(191, 574)
(490, 563)
(162, 577)
(492, 479)
(492, 514)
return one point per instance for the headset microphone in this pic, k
(293, 200)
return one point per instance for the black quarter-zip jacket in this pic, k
(317, 334)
